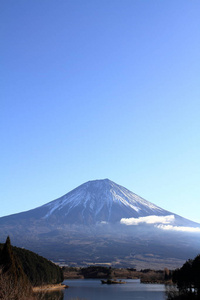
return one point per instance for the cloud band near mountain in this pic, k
(148, 220)
(160, 222)
(178, 228)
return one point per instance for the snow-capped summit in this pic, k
(101, 221)
(96, 202)
(100, 201)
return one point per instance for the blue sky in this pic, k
(100, 89)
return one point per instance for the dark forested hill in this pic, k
(38, 269)
(14, 284)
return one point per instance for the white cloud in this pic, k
(178, 228)
(148, 220)
(162, 222)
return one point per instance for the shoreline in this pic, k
(49, 287)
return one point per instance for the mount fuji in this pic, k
(103, 222)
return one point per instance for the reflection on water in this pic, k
(53, 295)
(92, 289)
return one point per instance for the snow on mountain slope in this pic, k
(100, 201)
(101, 221)
(96, 202)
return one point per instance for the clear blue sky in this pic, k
(94, 89)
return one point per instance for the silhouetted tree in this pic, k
(187, 279)
(14, 283)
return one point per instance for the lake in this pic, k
(92, 289)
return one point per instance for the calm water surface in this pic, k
(92, 289)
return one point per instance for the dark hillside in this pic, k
(38, 269)
(14, 283)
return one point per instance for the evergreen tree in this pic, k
(187, 279)
(7, 260)
(12, 275)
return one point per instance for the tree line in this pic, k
(187, 279)
(22, 269)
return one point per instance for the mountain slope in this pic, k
(101, 221)
(100, 201)
(90, 203)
